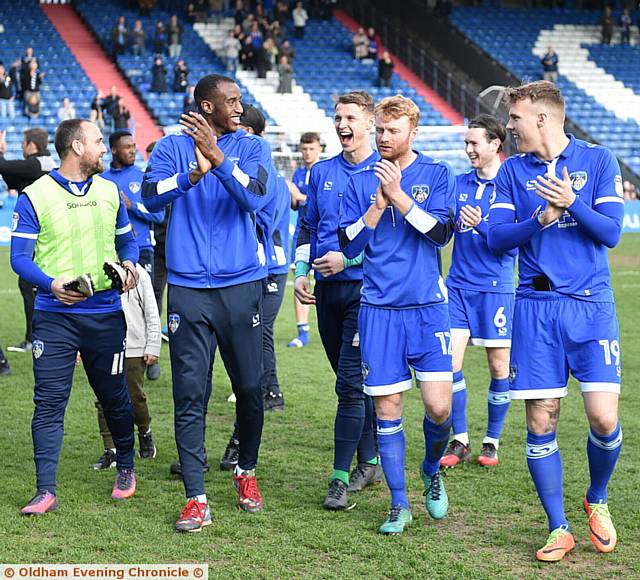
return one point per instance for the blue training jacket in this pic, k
(211, 234)
(129, 181)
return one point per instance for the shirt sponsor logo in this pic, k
(76, 205)
(134, 186)
(173, 322)
(420, 192)
(578, 179)
(328, 185)
(37, 348)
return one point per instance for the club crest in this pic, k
(174, 322)
(365, 371)
(420, 192)
(15, 218)
(134, 186)
(37, 348)
(578, 180)
(513, 373)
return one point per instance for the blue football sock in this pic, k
(459, 405)
(347, 431)
(545, 466)
(367, 448)
(391, 446)
(498, 403)
(435, 442)
(602, 452)
(303, 333)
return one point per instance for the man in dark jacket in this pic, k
(18, 174)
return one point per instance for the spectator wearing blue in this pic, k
(550, 65)
(625, 27)
(138, 39)
(119, 37)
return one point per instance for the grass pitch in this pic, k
(495, 521)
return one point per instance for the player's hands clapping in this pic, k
(556, 192)
(196, 126)
(382, 201)
(389, 175)
(302, 290)
(68, 297)
(330, 264)
(470, 216)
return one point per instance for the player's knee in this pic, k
(438, 412)
(604, 423)
(499, 369)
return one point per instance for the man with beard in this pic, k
(70, 219)
(337, 296)
(215, 180)
(400, 212)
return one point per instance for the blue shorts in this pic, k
(393, 340)
(557, 335)
(486, 317)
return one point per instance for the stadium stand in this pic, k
(599, 102)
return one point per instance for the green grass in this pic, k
(494, 525)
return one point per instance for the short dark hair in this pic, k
(39, 137)
(361, 98)
(207, 86)
(493, 128)
(117, 135)
(150, 147)
(67, 132)
(252, 117)
(310, 137)
(544, 91)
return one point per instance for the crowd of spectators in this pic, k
(21, 85)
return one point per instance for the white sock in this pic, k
(496, 442)
(239, 470)
(202, 498)
(462, 437)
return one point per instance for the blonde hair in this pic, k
(399, 106)
(544, 91)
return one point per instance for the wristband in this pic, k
(302, 268)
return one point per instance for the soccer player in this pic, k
(310, 148)
(400, 212)
(128, 178)
(560, 202)
(75, 221)
(481, 287)
(215, 181)
(337, 296)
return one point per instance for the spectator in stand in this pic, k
(138, 39)
(25, 61)
(67, 111)
(145, 7)
(257, 38)
(629, 192)
(300, 17)
(180, 77)
(360, 44)
(159, 38)
(7, 103)
(18, 174)
(15, 72)
(174, 37)
(96, 115)
(189, 101)
(607, 25)
(287, 50)
(247, 23)
(285, 70)
(197, 11)
(110, 105)
(281, 13)
(385, 69)
(625, 27)
(276, 32)
(231, 47)
(372, 47)
(550, 66)
(31, 86)
(238, 33)
(263, 58)
(119, 37)
(247, 55)
(121, 115)
(158, 76)
(240, 13)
